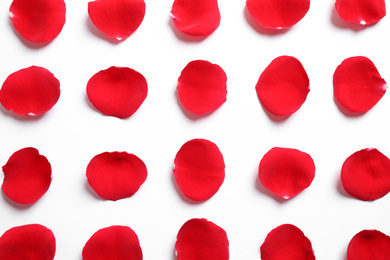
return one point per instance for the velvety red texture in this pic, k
(286, 171)
(202, 87)
(117, 91)
(199, 169)
(31, 91)
(366, 174)
(200, 239)
(361, 11)
(32, 242)
(38, 20)
(283, 86)
(196, 17)
(357, 84)
(278, 14)
(286, 242)
(27, 176)
(116, 175)
(117, 19)
(369, 245)
(113, 243)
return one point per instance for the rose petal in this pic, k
(113, 243)
(27, 176)
(199, 169)
(116, 175)
(38, 20)
(357, 84)
(31, 91)
(202, 87)
(366, 174)
(286, 172)
(196, 17)
(369, 245)
(286, 242)
(361, 11)
(33, 242)
(283, 86)
(278, 14)
(201, 239)
(117, 91)
(117, 19)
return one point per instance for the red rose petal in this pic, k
(31, 91)
(196, 17)
(286, 172)
(201, 239)
(117, 19)
(113, 243)
(286, 242)
(199, 169)
(278, 14)
(283, 86)
(369, 245)
(38, 20)
(27, 176)
(366, 174)
(202, 87)
(117, 91)
(32, 242)
(361, 11)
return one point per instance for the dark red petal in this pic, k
(283, 86)
(361, 11)
(199, 169)
(32, 242)
(202, 87)
(196, 17)
(278, 14)
(27, 176)
(116, 175)
(113, 243)
(366, 174)
(286, 242)
(117, 91)
(369, 245)
(117, 19)
(38, 20)
(31, 91)
(286, 172)
(201, 239)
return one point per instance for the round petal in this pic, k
(38, 20)
(201, 239)
(199, 169)
(369, 245)
(286, 172)
(365, 174)
(361, 11)
(31, 91)
(117, 91)
(113, 243)
(116, 175)
(202, 87)
(117, 19)
(27, 176)
(357, 84)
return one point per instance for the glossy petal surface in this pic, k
(361, 11)
(369, 245)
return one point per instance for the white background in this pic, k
(72, 132)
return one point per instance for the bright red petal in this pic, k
(113, 243)
(32, 242)
(117, 91)
(278, 14)
(361, 11)
(117, 19)
(366, 174)
(27, 176)
(38, 20)
(202, 87)
(31, 91)
(286, 242)
(369, 245)
(201, 239)
(199, 169)
(357, 84)
(283, 86)
(116, 175)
